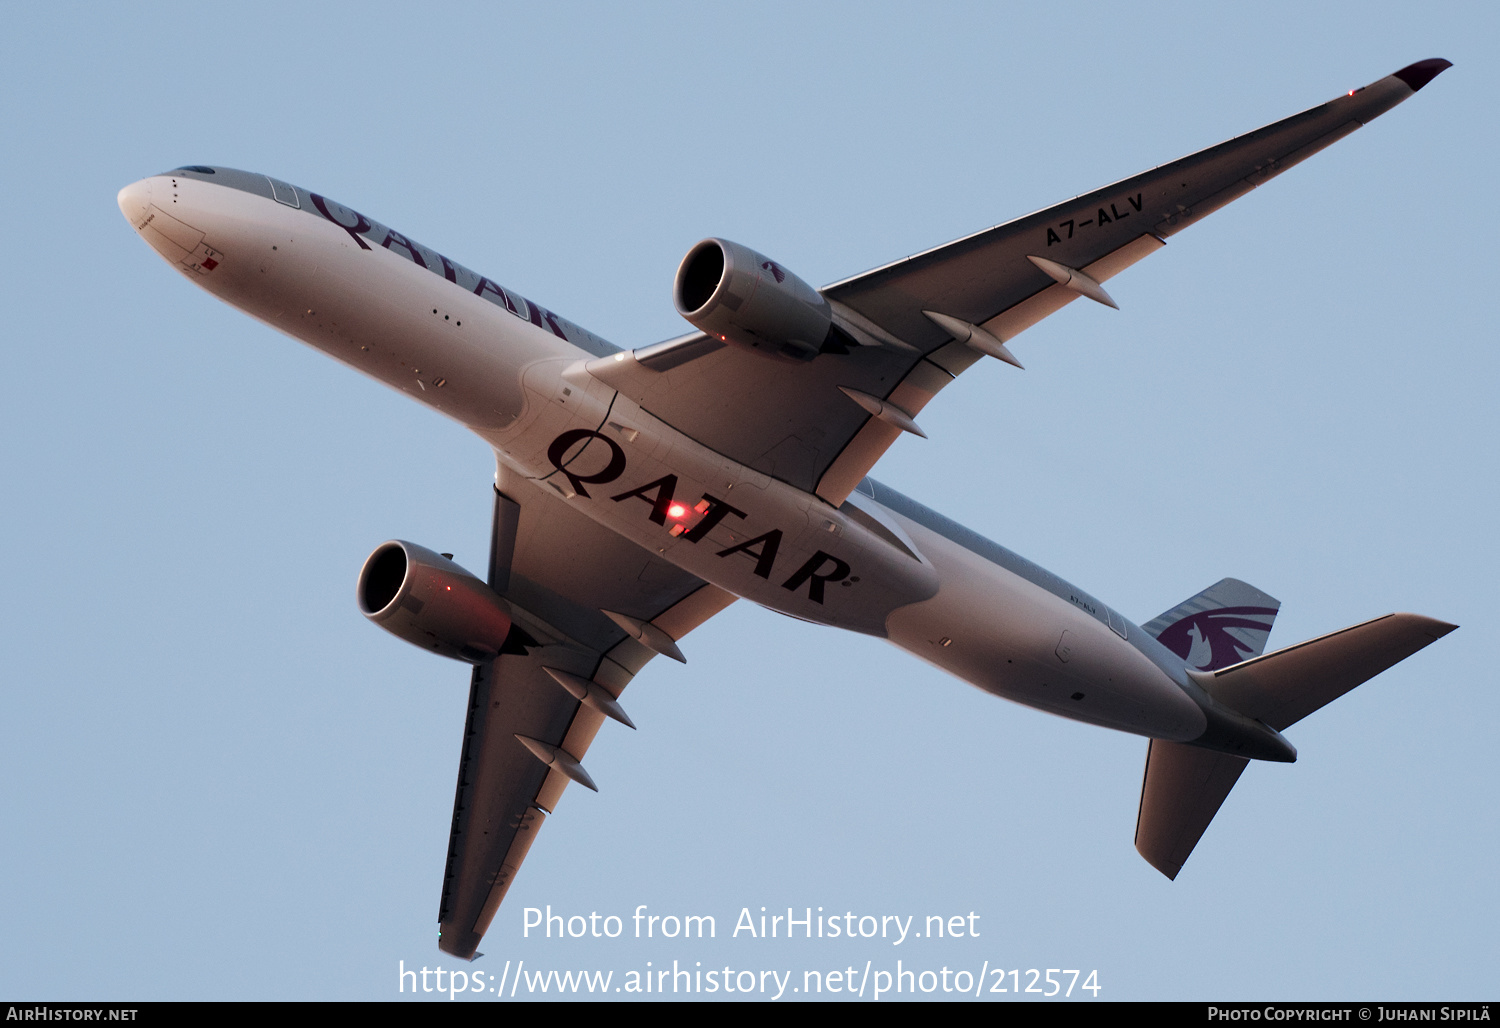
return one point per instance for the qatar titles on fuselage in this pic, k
(638, 493)
(517, 374)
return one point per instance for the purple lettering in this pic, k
(539, 313)
(361, 223)
(486, 284)
(809, 573)
(665, 487)
(717, 509)
(765, 557)
(392, 236)
(563, 443)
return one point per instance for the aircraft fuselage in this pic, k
(519, 376)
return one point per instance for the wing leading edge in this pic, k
(800, 423)
(527, 728)
(818, 426)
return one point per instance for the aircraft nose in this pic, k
(135, 201)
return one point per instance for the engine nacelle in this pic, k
(748, 300)
(431, 602)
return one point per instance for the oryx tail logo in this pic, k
(1204, 640)
(774, 269)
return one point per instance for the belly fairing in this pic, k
(730, 525)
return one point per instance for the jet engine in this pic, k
(431, 602)
(748, 300)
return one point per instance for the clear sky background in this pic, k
(219, 781)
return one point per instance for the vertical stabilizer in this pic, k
(1223, 625)
(1185, 785)
(1184, 788)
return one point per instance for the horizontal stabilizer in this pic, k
(1184, 788)
(1185, 785)
(1283, 687)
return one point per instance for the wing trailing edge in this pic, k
(533, 713)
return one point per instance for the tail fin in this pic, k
(1185, 786)
(1222, 625)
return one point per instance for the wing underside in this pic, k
(560, 571)
(798, 423)
(819, 426)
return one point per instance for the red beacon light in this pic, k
(677, 511)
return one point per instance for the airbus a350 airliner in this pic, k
(640, 492)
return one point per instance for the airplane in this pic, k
(640, 492)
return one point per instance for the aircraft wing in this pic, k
(795, 422)
(527, 728)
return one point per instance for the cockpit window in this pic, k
(200, 169)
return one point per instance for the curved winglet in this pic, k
(1418, 75)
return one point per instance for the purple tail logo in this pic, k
(1203, 639)
(774, 270)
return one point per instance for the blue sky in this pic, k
(220, 782)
